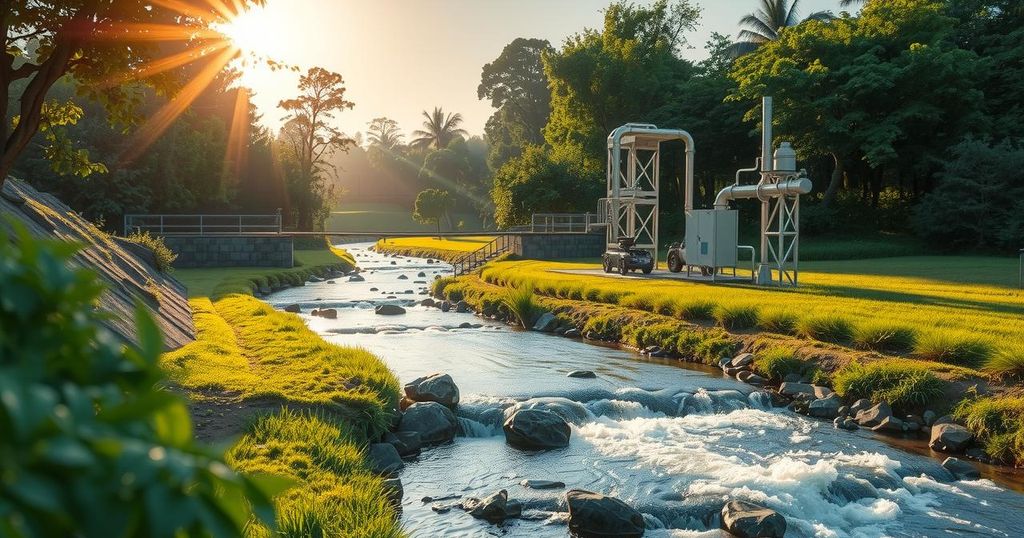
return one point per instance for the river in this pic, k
(675, 442)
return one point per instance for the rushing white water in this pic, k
(676, 443)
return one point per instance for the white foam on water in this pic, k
(748, 454)
(621, 410)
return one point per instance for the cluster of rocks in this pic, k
(326, 274)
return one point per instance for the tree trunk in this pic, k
(835, 182)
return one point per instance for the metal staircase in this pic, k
(468, 263)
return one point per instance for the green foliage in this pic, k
(979, 199)
(79, 413)
(1007, 362)
(905, 385)
(826, 328)
(885, 337)
(696, 310)
(335, 493)
(521, 303)
(432, 205)
(950, 347)
(777, 362)
(535, 182)
(736, 317)
(998, 422)
(164, 256)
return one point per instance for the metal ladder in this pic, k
(468, 263)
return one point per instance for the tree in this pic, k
(102, 45)
(432, 205)
(311, 139)
(438, 129)
(384, 133)
(534, 182)
(517, 87)
(768, 20)
(601, 80)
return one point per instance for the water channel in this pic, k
(675, 442)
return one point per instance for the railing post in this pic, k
(161, 225)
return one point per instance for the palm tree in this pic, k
(765, 24)
(384, 132)
(439, 129)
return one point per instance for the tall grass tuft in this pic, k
(826, 328)
(696, 310)
(520, 301)
(778, 362)
(777, 320)
(735, 317)
(999, 423)
(163, 256)
(1007, 362)
(901, 383)
(957, 348)
(885, 337)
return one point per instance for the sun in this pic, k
(252, 32)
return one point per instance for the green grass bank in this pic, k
(305, 408)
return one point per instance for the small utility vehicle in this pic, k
(625, 258)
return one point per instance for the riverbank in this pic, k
(890, 331)
(447, 249)
(306, 409)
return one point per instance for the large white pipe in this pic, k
(789, 187)
(664, 135)
(766, 134)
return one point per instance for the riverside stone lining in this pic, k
(559, 246)
(126, 269)
(204, 251)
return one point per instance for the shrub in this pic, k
(736, 317)
(696, 310)
(777, 320)
(961, 349)
(1007, 362)
(80, 413)
(778, 362)
(826, 328)
(438, 286)
(903, 384)
(884, 337)
(162, 255)
(520, 302)
(999, 423)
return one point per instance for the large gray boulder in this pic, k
(571, 411)
(383, 458)
(874, 415)
(825, 407)
(434, 422)
(949, 437)
(389, 310)
(408, 444)
(536, 429)
(793, 389)
(595, 515)
(748, 520)
(961, 469)
(394, 490)
(436, 387)
(546, 322)
(494, 508)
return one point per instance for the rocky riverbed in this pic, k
(686, 449)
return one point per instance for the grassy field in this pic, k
(448, 248)
(330, 400)
(390, 218)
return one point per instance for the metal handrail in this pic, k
(184, 224)
(465, 264)
(562, 222)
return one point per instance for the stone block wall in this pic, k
(195, 251)
(556, 246)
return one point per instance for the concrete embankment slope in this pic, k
(126, 269)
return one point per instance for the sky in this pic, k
(400, 57)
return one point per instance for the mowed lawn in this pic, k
(390, 218)
(957, 296)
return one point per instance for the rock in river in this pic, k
(406, 443)
(582, 374)
(437, 387)
(948, 437)
(434, 422)
(874, 415)
(293, 308)
(546, 323)
(748, 520)
(389, 310)
(542, 484)
(593, 514)
(494, 508)
(383, 458)
(961, 469)
(536, 429)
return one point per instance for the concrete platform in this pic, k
(660, 274)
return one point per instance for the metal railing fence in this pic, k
(202, 224)
(564, 222)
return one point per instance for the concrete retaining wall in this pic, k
(196, 251)
(555, 246)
